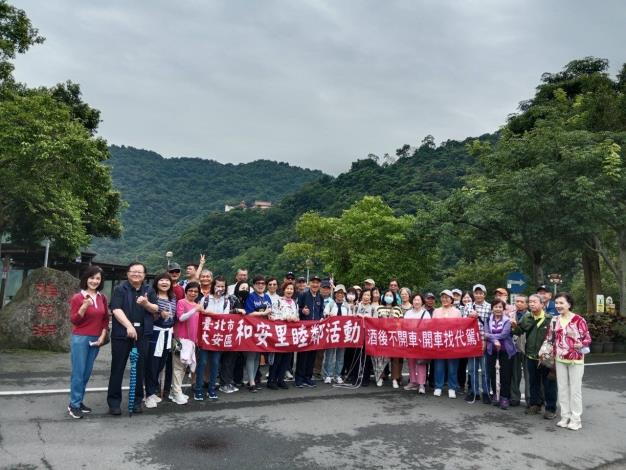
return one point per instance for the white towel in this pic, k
(160, 344)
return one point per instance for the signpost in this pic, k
(600, 303)
(516, 282)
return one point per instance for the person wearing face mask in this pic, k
(447, 310)
(417, 367)
(333, 359)
(215, 303)
(477, 367)
(571, 341)
(238, 300)
(388, 309)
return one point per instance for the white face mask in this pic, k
(219, 291)
(351, 297)
(388, 299)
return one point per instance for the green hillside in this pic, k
(255, 239)
(167, 195)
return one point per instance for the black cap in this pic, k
(543, 287)
(301, 279)
(429, 295)
(173, 267)
(315, 277)
(290, 275)
(325, 283)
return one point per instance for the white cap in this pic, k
(479, 286)
(447, 292)
(457, 291)
(340, 287)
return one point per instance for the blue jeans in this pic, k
(83, 356)
(479, 381)
(452, 365)
(203, 358)
(333, 362)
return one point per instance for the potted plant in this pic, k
(619, 335)
(599, 327)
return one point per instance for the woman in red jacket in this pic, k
(89, 315)
(571, 342)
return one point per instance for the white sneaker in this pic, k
(410, 386)
(437, 392)
(288, 376)
(395, 384)
(339, 380)
(451, 394)
(157, 398)
(563, 423)
(151, 402)
(328, 380)
(574, 426)
(379, 383)
(180, 399)
(422, 390)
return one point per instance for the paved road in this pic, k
(322, 428)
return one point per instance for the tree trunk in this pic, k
(621, 271)
(591, 271)
(537, 269)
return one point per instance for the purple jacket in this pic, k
(500, 331)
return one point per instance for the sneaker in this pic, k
(272, 386)
(437, 392)
(379, 382)
(180, 399)
(549, 415)
(233, 388)
(422, 390)
(451, 394)
(151, 402)
(574, 426)
(328, 380)
(338, 379)
(212, 394)
(74, 412)
(288, 376)
(310, 383)
(115, 411)
(138, 408)
(283, 385)
(198, 396)
(157, 398)
(471, 398)
(299, 385)
(504, 403)
(85, 409)
(395, 384)
(410, 386)
(563, 423)
(533, 410)
(224, 389)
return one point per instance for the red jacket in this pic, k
(95, 319)
(575, 331)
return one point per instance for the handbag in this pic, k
(546, 351)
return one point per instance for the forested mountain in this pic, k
(255, 239)
(167, 195)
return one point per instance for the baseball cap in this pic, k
(325, 283)
(447, 292)
(357, 287)
(173, 267)
(457, 291)
(543, 287)
(340, 287)
(429, 295)
(479, 287)
(315, 277)
(290, 275)
(369, 280)
(301, 279)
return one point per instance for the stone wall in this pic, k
(38, 317)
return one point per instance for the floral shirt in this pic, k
(566, 335)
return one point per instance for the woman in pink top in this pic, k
(447, 310)
(186, 327)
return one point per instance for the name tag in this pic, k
(136, 324)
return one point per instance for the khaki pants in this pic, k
(569, 378)
(178, 374)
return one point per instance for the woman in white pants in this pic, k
(571, 341)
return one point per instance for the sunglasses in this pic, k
(175, 271)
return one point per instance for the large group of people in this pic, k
(161, 320)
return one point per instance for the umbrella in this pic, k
(134, 355)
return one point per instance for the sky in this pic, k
(317, 84)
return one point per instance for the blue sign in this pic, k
(516, 282)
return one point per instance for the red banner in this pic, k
(443, 338)
(246, 333)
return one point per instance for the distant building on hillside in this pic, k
(241, 205)
(262, 205)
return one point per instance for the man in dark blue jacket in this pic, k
(310, 307)
(133, 305)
